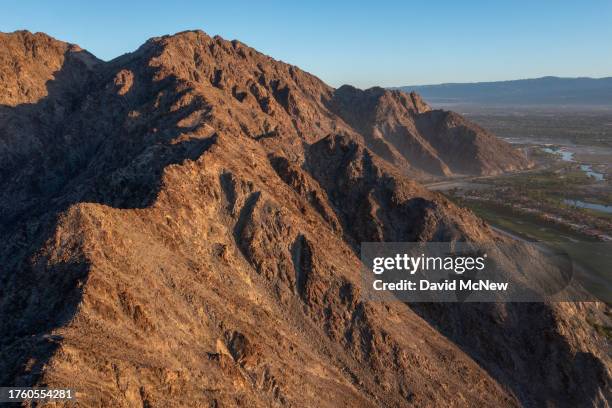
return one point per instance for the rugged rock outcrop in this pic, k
(180, 227)
(403, 129)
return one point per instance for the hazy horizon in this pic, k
(508, 80)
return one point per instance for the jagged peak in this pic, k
(29, 38)
(27, 34)
(28, 61)
(380, 97)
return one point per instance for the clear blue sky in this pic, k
(385, 43)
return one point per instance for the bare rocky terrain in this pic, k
(181, 225)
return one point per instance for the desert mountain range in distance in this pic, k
(180, 226)
(547, 91)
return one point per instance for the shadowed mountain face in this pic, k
(180, 227)
(402, 129)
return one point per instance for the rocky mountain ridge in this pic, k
(181, 225)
